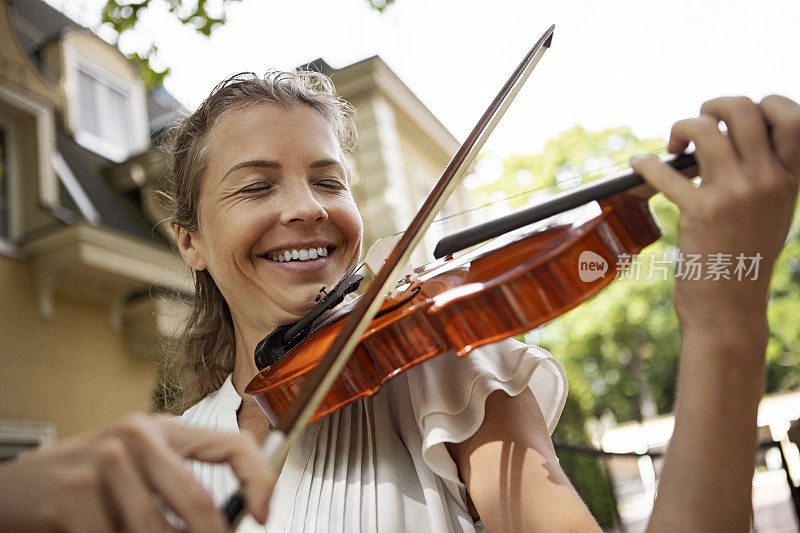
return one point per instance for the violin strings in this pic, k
(345, 275)
(563, 184)
(444, 224)
(350, 271)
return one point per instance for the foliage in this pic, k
(380, 5)
(122, 16)
(783, 348)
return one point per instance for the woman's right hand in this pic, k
(111, 479)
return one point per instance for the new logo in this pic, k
(591, 266)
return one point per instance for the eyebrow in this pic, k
(265, 163)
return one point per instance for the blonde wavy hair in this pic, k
(202, 355)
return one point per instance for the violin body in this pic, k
(461, 304)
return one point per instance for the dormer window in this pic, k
(106, 104)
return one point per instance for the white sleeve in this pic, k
(448, 395)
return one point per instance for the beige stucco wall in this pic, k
(401, 153)
(72, 371)
(425, 162)
(98, 50)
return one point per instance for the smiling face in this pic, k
(276, 219)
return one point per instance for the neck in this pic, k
(246, 338)
(249, 418)
(243, 372)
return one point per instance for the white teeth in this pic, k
(306, 254)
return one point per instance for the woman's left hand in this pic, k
(744, 205)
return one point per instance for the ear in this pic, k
(189, 246)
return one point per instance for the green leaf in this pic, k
(380, 5)
(125, 16)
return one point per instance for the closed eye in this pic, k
(332, 184)
(256, 188)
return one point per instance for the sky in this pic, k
(644, 64)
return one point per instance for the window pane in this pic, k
(87, 114)
(116, 124)
(4, 201)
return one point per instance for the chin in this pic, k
(300, 306)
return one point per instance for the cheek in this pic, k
(357, 230)
(353, 224)
(231, 232)
(345, 217)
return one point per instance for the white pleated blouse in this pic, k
(380, 464)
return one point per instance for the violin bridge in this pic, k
(403, 285)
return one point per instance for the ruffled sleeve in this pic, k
(448, 396)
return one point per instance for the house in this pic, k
(88, 276)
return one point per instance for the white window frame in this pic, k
(138, 133)
(11, 156)
(49, 188)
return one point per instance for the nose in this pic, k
(301, 205)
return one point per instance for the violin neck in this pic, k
(596, 190)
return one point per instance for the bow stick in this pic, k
(278, 441)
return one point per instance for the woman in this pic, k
(265, 217)
(260, 171)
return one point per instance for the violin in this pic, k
(507, 287)
(527, 276)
